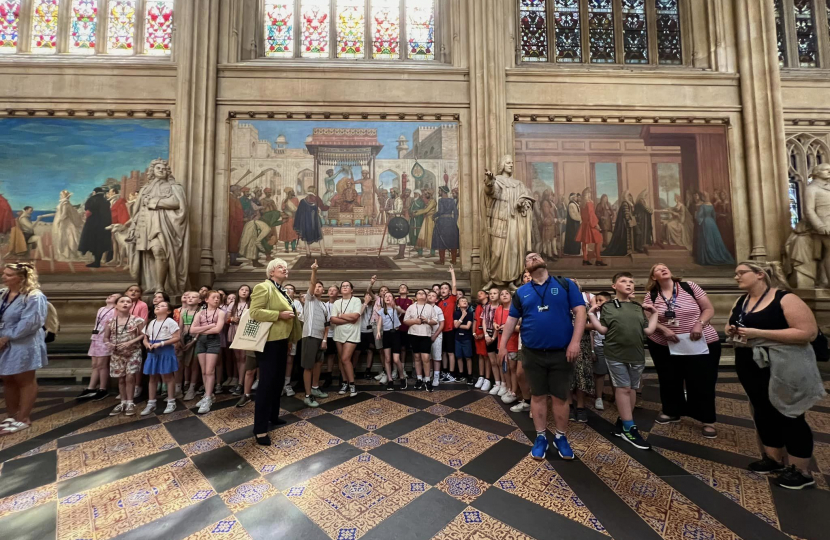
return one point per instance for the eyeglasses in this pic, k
(739, 273)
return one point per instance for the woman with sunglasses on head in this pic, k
(23, 310)
(772, 330)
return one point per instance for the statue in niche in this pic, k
(508, 211)
(817, 215)
(159, 232)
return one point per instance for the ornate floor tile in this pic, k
(309, 412)
(228, 419)
(349, 500)
(750, 490)
(463, 487)
(519, 436)
(821, 451)
(739, 440)
(108, 421)
(472, 524)
(538, 482)
(669, 513)
(819, 421)
(449, 442)
(248, 494)
(488, 408)
(333, 396)
(437, 396)
(226, 529)
(732, 388)
(733, 407)
(44, 425)
(439, 410)
(289, 444)
(48, 447)
(202, 446)
(113, 509)
(374, 413)
(87, 457)
(368, 441)
(28, 499)
(178, 415)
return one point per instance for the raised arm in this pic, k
(652, 320)
(312, 282)
(452, 273)
(595, 324)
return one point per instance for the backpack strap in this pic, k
(688, 288)
(564, 283)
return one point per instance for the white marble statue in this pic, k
(508, 217)
(159, 232)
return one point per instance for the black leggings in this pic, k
(774, 429)
(697, 374)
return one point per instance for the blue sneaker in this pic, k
(540, 447)
(564, 448)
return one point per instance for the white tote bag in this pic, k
(250, 335)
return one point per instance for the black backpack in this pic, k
(820, 346)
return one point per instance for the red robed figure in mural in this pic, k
(7, 221)
(589, 232)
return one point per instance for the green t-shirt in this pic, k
(625, 337)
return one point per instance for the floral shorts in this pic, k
(125, 362)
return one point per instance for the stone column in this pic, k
(194, 121)
(763, 127)
(490, 49)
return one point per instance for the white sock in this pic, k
(151, 402)
(130, 402)
(420, 378)
(171, 400)
(123, 402)
(287, 380)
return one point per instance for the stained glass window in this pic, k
(635, 31)
(9, 25)
(386, 31)
(84, 22)
(279, 29)
(158, 27)
(669, 49)
(420, 29)
(45, 26)
(601, 31)
(315, 28)
(534, 20)
(351, 28)
(121, 26)
(568, 39)
(780, 33)
(805, 33)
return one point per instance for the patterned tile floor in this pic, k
(450, 465)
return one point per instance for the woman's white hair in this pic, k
(273, 265)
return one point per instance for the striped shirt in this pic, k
(687, 310)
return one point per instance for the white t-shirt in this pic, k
(599, 339)
(315, 317)
(389, 318)
(331, 327)
(298, 307)
(161, 331)
(346, 332)
(427, 312)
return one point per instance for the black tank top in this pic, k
(769, 318)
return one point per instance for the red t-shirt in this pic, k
(447, 305)
(403, 303)
(501, 317)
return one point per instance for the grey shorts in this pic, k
(547, 372)
(600, 366)
(310, 352)
(208, 344)
(625, 375)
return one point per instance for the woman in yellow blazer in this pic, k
(270, 303)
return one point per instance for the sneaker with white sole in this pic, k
(206, 404)
(171, 407)
(598, 405)
(479, 382)
(129, 410)
(316, 392)
(352, 390)
(383, 378)
(148, 410)
(486, 385)
(436, 381)
(494, 391)
(255, 385)
(502, 390)
(343, 389)
(191, 394)
(394, 374)
(380, 376)
(521, 406)
(449, 378)
(509, 397)
(310, 402)
(118, 409)
(289, 391)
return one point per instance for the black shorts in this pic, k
(493, 346)
(367, 341)
(331, 346)
(547, 372)
(404, 337)
(392, 340)
(448, 342)
(421, 344)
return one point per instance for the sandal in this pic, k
(13, 427)
(709, 432)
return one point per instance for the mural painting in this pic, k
(362, 195)
(69, 187)
(620, 195)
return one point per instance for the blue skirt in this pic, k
(161, 361)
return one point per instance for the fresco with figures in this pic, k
(68, 189)
(345, 191)
(626, 196)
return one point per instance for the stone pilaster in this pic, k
(194, 126)
(763, 128)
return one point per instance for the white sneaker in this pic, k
(383, 378)
(479, 382)
(289, 391)
(449, 378)
(191, 393)
(255, 385)
(394, 374)
(205, 407)
(509, 397)
(171, 406)
(352, 390)
(148, 409)
(502, 390)
(486, 385)
(436, 380)
(118, 409)
(137, 393)
(598, 405)
(521, 406)
(343, 389)
(494, 391)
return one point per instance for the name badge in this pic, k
(542, 309)
(94, 332)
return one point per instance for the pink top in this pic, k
(140, 310)
(687, 310)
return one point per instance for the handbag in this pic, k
(251, 335)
